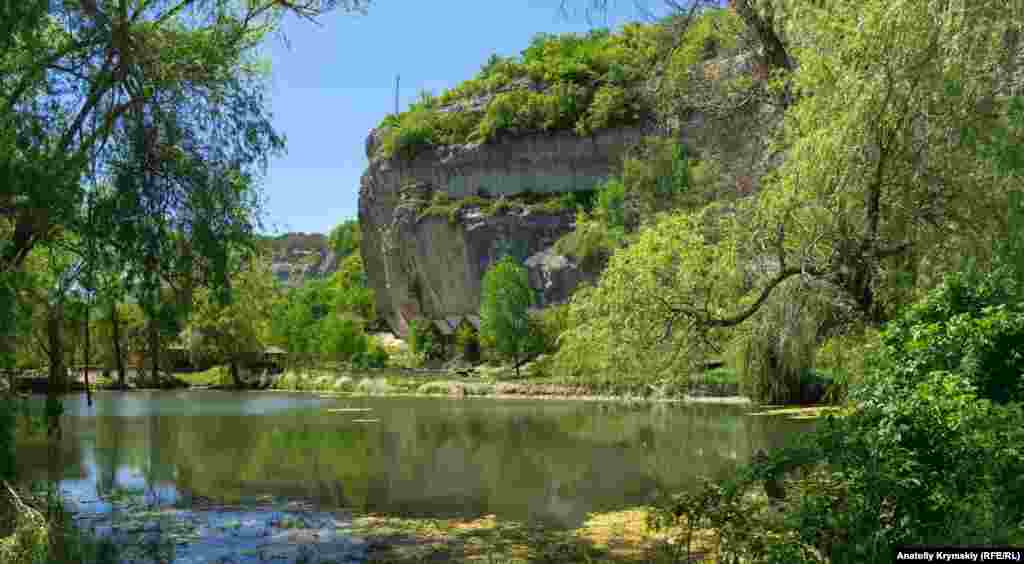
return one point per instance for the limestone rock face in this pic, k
(300, 257)
(431, 266)
(555, 276)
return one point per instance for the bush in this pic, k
(611, 204)
(548, 325)
(422, 341)
(373, 357)
(592, 242)
(972, 324)
(579, 200)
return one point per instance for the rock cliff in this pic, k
(430, 265)
(298, 257)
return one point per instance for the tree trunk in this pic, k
(236, 378)
(57, 381)
(115, 325)
(88, 392)
(154, 351)
(515, 359)
(7, 347)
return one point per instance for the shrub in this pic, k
(421, 340)
(972, 324)
(611, 204)
(612, 105)
(548, 325)
(582, 200)
(468, 343)
(591, 242)
(413, 130)
(373, 357)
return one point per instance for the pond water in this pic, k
(299, 455)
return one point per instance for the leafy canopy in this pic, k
(884, 179)
(504, 308)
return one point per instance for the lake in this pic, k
(543, 461)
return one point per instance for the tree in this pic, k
(504, 308)
(78, 74)
(240, 326)
(346, 238)
(884, 181)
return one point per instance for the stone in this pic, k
(432, 266)
(556, 276)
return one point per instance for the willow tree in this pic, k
(76, 75)
(885, 179)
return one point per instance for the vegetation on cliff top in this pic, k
(582, 83)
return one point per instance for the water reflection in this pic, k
(518, 459)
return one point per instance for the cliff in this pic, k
(431, 265)
(433, 221)
(296, 258)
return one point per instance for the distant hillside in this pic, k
(298, 257)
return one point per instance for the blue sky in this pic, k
(334, 81)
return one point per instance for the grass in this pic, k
(486, 381)
(798, 413)
(442, 206)
(217, 375)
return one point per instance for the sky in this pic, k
(334, 80)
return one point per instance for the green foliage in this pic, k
(662, 177)
(611, 205)
(7, 437)
(242, 326)
(341, 338)
(373, 357)
(578, 200)
(589, 82)
(972, 325)
(505, 298)
(612, 105)
(214, 376)
(591, 242)
(628, 323)
(693, 79)
(326, 319)
(775, 349)
(891, 469)
(345, 238)
(548, 325)
(718, 376)
(422, 340)
(467, 340)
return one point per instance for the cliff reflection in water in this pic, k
(518, 459)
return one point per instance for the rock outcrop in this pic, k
(432, 266)
(296, 258)
(429, 265)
